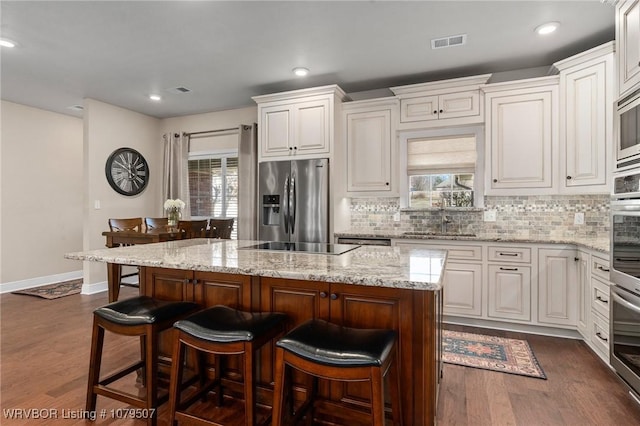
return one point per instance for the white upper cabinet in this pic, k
(521, 135)
(441, 103)
(371, 158)
(298, 124)
(587, 85)
(628, 44)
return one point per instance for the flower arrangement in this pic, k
(174, 211)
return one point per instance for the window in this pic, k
(213, 186)
(441, 167)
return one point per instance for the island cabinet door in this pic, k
(211, 288)
(166, 284)
(300, 300)
(376, 307)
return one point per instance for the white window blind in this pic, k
(213, 188)
(450, 154)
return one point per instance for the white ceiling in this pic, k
(227, 52)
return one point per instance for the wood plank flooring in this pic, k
(45, 352)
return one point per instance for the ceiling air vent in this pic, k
(179, 90)
(450, 41)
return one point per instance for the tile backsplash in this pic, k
(549, 216)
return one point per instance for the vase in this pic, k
(173, 217)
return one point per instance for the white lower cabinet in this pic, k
(550, 288)
(558, 286)
(463, 289)
(510, 292)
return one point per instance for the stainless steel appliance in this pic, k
(294, 201)
(625, 275)
(628, 126)
(318, 248)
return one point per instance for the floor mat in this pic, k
(54, 291)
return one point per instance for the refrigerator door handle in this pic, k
(285, 202)
(294, 198)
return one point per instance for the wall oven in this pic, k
(628, 127)
(625, 276)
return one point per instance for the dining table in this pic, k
(128, 238)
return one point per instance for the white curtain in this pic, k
(175, 178)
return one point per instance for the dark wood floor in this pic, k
(45, 352)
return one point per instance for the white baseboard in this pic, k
(40, 281)
(507, 326)
(94, 288)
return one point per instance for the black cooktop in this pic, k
(320, 248)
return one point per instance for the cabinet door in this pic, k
(369, 153)
(371, 307)
(521, 134)
(277, 122)
(557, 287)
(628, 44)
(510, 292)
(223, 289)
(300, 300)
(312, 127)
(419, 109)
(462, 289)
(584, 296)
(587, 124)
(167, 284)
(462, 104)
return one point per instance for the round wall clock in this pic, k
(127, 171)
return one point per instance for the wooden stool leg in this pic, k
(377, 397)
(394, 391)
(151, 369)
(249, 386)
(97, 340)
(176, 379)
(218, 362)
(278, 389)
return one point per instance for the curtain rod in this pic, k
(211, 131)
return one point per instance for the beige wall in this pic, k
(107, 128)
(41, 192)
(211, 120)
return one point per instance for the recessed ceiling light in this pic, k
(155, 97)
(547, 28)
(300, 71)
(5, 42)
(76, 107)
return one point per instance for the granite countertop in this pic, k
(598, 244)
(398, 267)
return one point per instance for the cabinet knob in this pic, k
(295, 147)
(334, 296)
(387, 183)
(441, 111)
(568, 177)
(323, 294)
(290, 148)
(495, 180)
(435, 111)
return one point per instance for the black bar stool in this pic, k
(139, 316)
(220, 330)
(333, 352)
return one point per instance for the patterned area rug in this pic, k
(491, 353)
(54, 291)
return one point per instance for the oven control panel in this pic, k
(627, 186)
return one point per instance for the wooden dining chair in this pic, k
(133, 224)
(120, 225)
(193, 228)
(220, 228)
(156, 223)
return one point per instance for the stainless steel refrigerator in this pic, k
(294, 201)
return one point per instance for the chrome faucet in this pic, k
(445, 221)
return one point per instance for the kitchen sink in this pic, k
(437, 234)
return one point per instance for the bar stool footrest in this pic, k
(121, 373)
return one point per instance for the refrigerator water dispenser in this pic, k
(271, 209)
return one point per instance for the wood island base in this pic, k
(415, 314)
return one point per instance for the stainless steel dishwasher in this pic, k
(366, 241)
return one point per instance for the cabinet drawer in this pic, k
(600, 297)
(454, 251)
(510, 254)
(600, 334)
(600, 267)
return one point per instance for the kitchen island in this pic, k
(369, 287)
